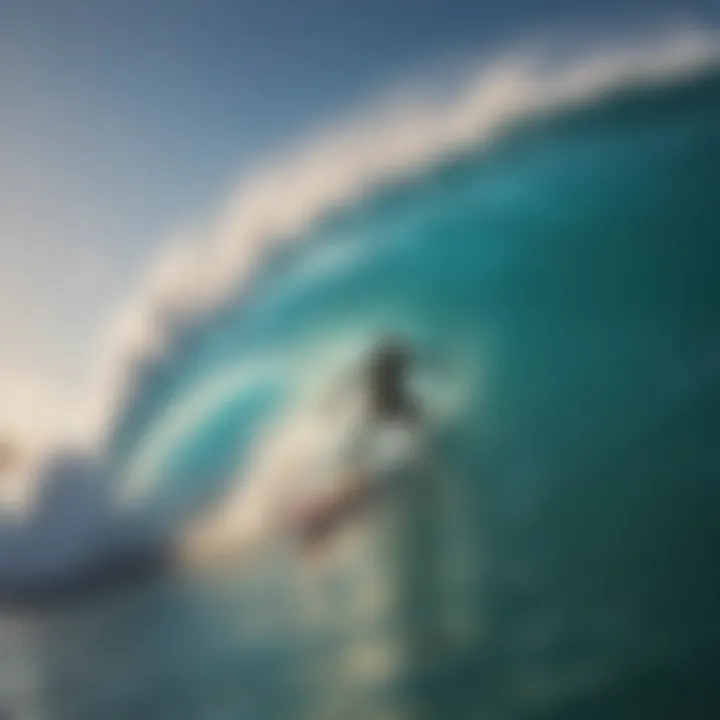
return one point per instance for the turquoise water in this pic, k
(563, 284)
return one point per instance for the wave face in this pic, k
(531, 265)
(566, 279)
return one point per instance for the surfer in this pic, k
(385, 442)
(387, 464)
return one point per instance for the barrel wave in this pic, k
(561, 284)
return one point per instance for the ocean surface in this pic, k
(560, 289)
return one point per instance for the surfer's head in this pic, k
(391, 356)
(390, 364)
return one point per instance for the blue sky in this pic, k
(122, 120)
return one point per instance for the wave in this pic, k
(561, 286)
(210, 267)
(153, 414)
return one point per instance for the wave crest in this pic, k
(198, 273)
